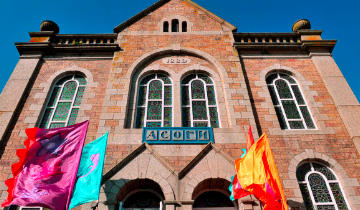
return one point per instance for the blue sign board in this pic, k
(173, 135)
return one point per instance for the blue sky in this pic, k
(338, 19)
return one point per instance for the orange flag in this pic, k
(250, 139)
(257, 174)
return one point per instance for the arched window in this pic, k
(198, 98)
(64, 102)
(290, 105)
(166, 26)
(175, 25)
(319, 187)
(154, 104)
(184, 26)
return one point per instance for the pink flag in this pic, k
(46, 172)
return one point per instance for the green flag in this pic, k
(87, 187)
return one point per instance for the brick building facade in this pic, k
(245, 73)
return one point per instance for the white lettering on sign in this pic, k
(176, 60)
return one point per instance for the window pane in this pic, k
(167, 116)
(155, 90)
(62, 111)
(54, 96)
(186, 117)
(296, 125)
(197, 90)
(154, 110)
(306, 196)
(164, 78)
(73, 115)
(140, 117)
(57, 125)
(271, 78)
(80, 79)
(206, 79)
(153, 124)
(184, 26)
(290, 109)
(185, 95)
(200, 124)
(214, 117)
(288, 78)
(324, 170)
(68, 91)
(211, 95)
(187, 79)
(339, 198)
(307, 118)
(281, 118)
(46, 118)
(79, 96)
(199, 110)
(168, 95)
(302, 170)
(166, 26)
(146, 79)
(273, 95)
(142, 95)
(325, 207)
(319, 189)
(63, 80)
(283, 89)
(298, 95)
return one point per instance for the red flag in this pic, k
(46, 172)
(257, 173)
(236, 190)
(250, 139)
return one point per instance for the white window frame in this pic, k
(189, 88)
(57, 100)
(147, 100)
(33, 207)
(327, 182)
(293, 98)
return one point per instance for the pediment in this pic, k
(175, 8)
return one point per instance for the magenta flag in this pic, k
(46, 172)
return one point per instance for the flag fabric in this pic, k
(46, 172)
(87, 187)
(235, 187)
(257, 174)
(250, 139)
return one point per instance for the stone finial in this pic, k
(301, 24)
(48, 25)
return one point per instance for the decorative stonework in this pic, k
(176, 60)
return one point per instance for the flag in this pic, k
(235, 187)
(257, 173)
(46, 172)
(87, 187)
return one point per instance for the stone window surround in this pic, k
(308, 94)
(180, 19)
(43, 96)
(347, 183)
(176, 79)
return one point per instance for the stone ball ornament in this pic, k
(301, 25)
(48, 25)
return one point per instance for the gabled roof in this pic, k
(160, 3)
(201, 155)
(132, 156)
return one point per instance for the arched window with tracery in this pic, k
(290, 105)
(64, 102)
(199, 107)
(154, 104)
(320, 187)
